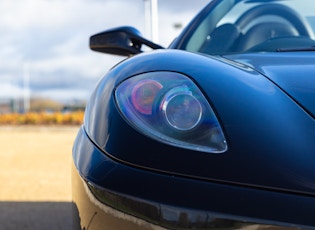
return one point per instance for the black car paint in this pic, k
(255, 170)
(240, 120)
(139, 183)
(293, 72)
(144, 199)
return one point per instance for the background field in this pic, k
(35, 177)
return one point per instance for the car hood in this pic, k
(293, 72)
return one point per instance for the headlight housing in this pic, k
(170, 108)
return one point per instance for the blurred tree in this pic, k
(42, 104)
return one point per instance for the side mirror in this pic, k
(123, 41)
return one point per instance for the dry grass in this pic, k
(35, 163)
(43, 118)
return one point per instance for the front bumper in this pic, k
(109, 193)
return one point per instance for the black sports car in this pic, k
(215, 132)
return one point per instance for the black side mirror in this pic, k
(124, 41)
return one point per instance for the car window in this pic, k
(254, 26)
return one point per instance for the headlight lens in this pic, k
(181, 109)
(170, 108)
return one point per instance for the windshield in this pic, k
(233, 26)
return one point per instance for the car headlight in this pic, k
(170, 108)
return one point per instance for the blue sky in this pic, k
(46, 42)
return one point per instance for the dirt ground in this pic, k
(35, 177)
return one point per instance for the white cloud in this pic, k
(8, 90)
(53, 14)
(52, 36)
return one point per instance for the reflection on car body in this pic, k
(215, 132)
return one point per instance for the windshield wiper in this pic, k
(301, 49)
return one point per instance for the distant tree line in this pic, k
(39, 105)
(42, 118)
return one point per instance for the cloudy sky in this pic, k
(44, 43)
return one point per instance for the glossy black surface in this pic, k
(256, 148)
(181, 203)
(293, 72)
(264, 101)
(120, 41)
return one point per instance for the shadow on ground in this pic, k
(35, 215)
